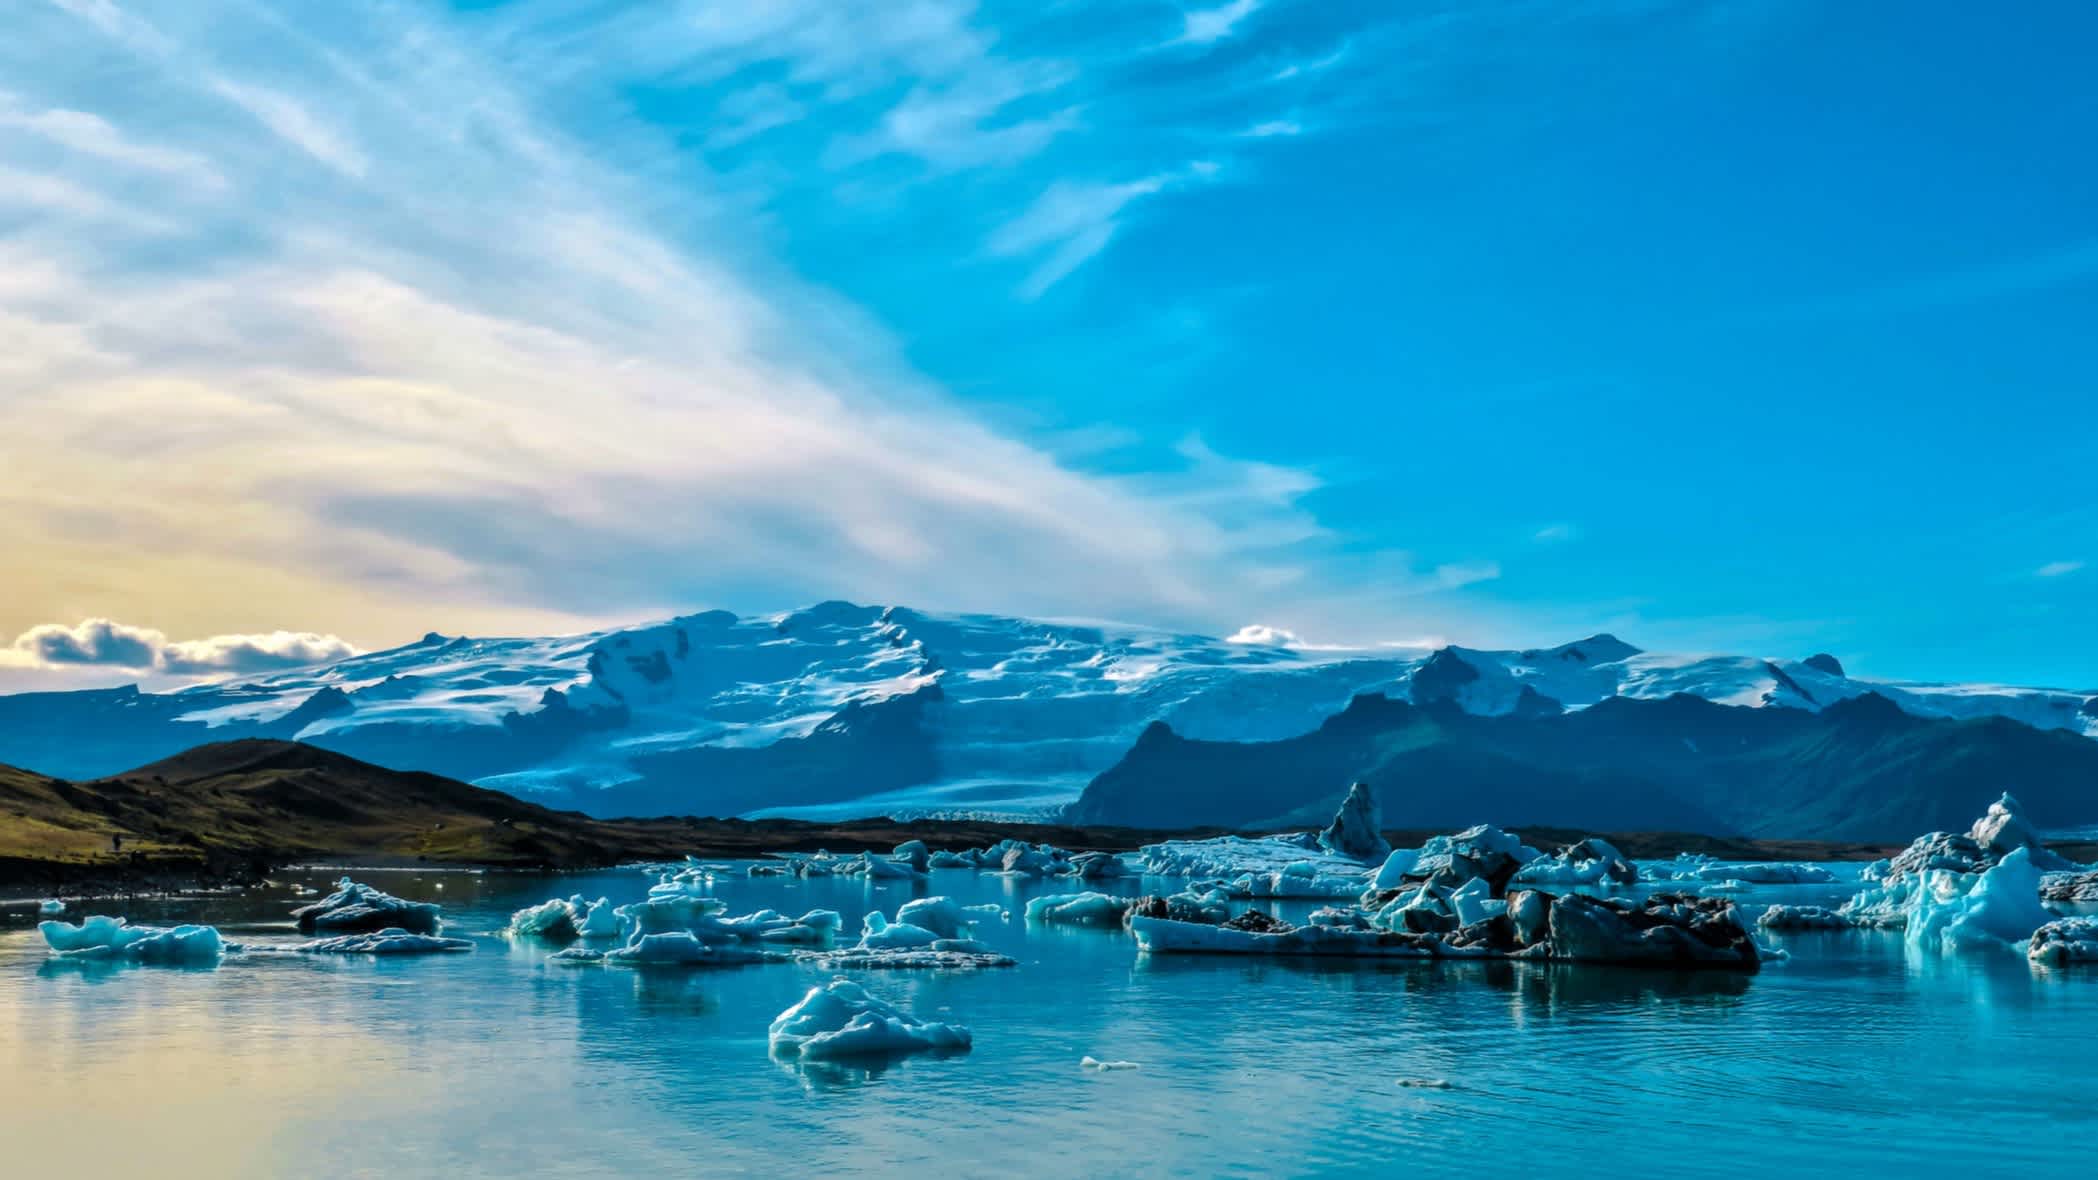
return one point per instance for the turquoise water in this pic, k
(1846, 1058)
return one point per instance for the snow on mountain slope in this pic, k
(1002, 715)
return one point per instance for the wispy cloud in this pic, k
(1071, 223)
(1554, 534)
(1201, 26)
(427, 358)
(2058, 569)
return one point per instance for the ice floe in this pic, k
(384, 942)
(841, 1019)
(1094, 1063)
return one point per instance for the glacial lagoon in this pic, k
(1849, 1054)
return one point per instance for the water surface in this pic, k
(1847, 1058)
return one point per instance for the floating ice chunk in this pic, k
(1766, 873)
(1094, 1063)
(552, 920)
(384, 942)
(100, 936)
(941, 915)
(355, 908)
(1301, 879)
(1964, 911)
(2064, 941)
(842, 1020)
(1078, 909)
(51, 907)
(1098, 866)
(878, 933)
(680, 948)
(1425, 1083)
(1353, 832)
(951, 860)
(1802, 917)
(914, 854)
(1230, 857)
(600, 920)
(942, 955)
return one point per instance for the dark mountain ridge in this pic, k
(1861, 769)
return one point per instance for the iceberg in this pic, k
(2071, 893)
(51, 907)
(2064, 941)
(1766, 873)
(1078, 909)
(842, 1020)
(565, 921)
(2003, 829)
(354, 908)
(1094, 1063)
(100, 936)
(1964, 911)
(1354, 831)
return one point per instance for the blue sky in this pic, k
(1755, 326)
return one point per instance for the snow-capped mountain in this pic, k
(842, 708)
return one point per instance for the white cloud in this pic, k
(1071, 222)
(2058, 569)
(485, 385)
(1460, 574)
(291, 121)
(1553, 534)
(93, 136)
(110, 644)
(1275, 128)
(1205, 25)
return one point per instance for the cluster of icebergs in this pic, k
(1995, 886)
(356, 919)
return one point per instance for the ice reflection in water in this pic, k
(1849, 1057)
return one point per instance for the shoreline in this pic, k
(751, 839)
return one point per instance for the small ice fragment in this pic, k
(1091, 1062)
(51, 907)
(1426, 1084)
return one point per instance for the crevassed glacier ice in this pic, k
(841, 1019)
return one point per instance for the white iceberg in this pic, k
(1802, 917)
(842, 1020)
(51, 907)
(1078, 909)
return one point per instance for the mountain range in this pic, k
(842, 709)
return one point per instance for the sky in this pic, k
(1759, 326)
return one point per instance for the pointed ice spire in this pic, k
(1353, 832)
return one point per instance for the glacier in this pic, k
(933, 714)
